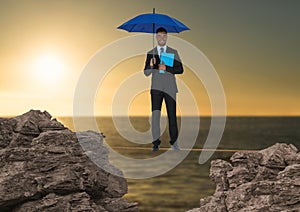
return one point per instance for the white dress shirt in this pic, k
(159, 47)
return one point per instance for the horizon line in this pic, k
(178, 116)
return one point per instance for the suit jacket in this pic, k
(164, 82)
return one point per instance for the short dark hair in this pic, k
(161, 29)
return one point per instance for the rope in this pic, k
(183, 149)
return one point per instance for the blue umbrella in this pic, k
(150, 22)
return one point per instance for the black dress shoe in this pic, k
(155, 148)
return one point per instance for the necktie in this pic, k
(161, 50)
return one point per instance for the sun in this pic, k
(49, 66)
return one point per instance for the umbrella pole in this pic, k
(153, 42)
(153, 28)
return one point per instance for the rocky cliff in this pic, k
(266, 180)
(44, 168)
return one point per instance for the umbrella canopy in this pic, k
(150, 22)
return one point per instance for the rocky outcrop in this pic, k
(266, 180)
(44, 168)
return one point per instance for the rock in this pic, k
(266, 180)
(43, 167)
(34, 122)
(218, 171)
(52, 202)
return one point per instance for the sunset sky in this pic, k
(253, 45)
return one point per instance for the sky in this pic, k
(253, 46)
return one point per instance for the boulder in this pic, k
(43, 167)
(266, 180)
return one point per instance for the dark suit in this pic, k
(163, 86)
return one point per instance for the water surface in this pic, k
(181, 188)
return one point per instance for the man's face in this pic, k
(161, 38)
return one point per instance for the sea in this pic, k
(181, 188)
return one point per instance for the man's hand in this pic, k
(162, 66)
(152, 62)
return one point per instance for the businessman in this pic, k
(163, 87)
